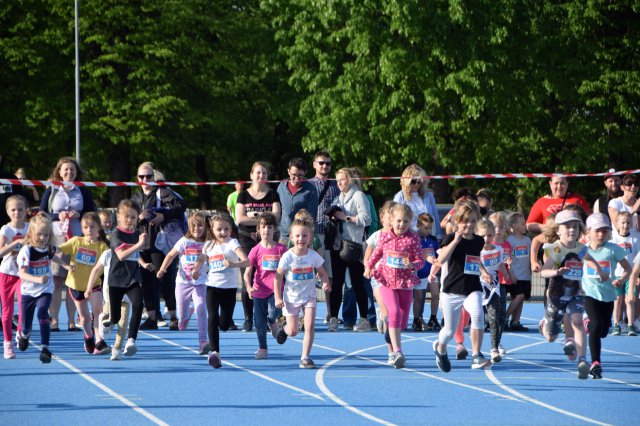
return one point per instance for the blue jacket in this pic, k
(305, 198)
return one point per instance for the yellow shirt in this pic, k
(84, 256)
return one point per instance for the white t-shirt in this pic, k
(9, 265)
(38, 266)
(189, 251)
(491, 260)
(619, 205)
(631, 246)
(520, 259)
(300, 275)
(218, 275)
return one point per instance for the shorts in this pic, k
(526, 287)
(557, 308)
(424, 284)
(515, 289)
(624, 290)
(374, 284)
(293, 309)
(78, 295)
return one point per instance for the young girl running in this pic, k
(298, 267)
(460, 260)
(34, 261)
(263, 264)
(11, 238)
(124, 273)
(600, 293)
(84, 252)
(188, 288)
(402, 255)
(223, 255)
(563, 265)
(520, 290)
(629, 241)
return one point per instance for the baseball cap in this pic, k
(597, 221)
(565, 216)
(609, 176)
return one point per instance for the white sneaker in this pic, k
(379, 321)
(130, 348)
(116, 354)
(502, 350)
(362, 325)
(104, 325)
(333, 324)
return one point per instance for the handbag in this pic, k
(351, 252)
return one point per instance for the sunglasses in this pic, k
(416, 181)
(141, 177)
(630, 184)
(324, 163)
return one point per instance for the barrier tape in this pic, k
(31, 182)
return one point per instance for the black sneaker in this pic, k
(281, 337)
(101, 348)
(45, 356)
(442, 360)
(248, 325)
(23, 342)
(89, 344)
(149, 324)
(417, 324)
(518, 327)
(479, 361)
(507, 326)
(596, 370)
(173, 324)
(432, 324)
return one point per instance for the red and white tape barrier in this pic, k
(31, 182)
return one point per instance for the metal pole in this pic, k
(77, 85)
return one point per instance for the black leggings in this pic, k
(40, 304)
(134, 292)
(220, 305)
(356, 272)
(151, 285)
(599, 322)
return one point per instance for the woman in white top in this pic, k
(628, 202)
(416, 194)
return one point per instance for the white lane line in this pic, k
(239, 367)
(112, 393)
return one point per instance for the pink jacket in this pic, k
(392, 250)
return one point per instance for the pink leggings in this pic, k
(398, 305)
(9, 286)
(184, 294)
(464, 321)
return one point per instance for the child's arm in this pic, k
(64, 264)
(125, 253)
(26, 276)
(247, 280)
(324, 278)
(8, 248)
(618, 282)
(432, 278)
(146, 265)
(484, 275)
(604, 276)
(415, 257)
(633, 283)
(166, 262)
(195, 273)
(277, 287)
(549, 269)
(373, 260)
(537, 241)
(445, 252)
(243, 263)
(93, 276)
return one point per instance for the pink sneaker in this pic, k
(182, 324)
(214, 360)
(8, 350)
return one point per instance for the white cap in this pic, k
(565, 216)
(598, 221)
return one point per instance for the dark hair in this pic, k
(129, 204)
(93, 216)
(630, 178)
(321, 154)
(266, 219)
(298, 163)
(55, 174)
(465, 192)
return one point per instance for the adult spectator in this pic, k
(30, 193)
(5, 192)
(553, 203)
(416, 194)
(295, 193)
(65, 204)
(613, 190)
(628, 202)
(258, 198)
(353, 216)
(232, 199)
(327, 191)
(161, 208)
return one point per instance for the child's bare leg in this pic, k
(309, 331)
(579, 334)
(84, 316)
(434, 288)
(96, 308)
(291, 328)
(418, 297)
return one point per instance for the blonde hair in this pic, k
(464, 209)
(198, 216)
(403, 208)
(487, 225)
(301, 222)
(514, 218)
(386, 207)
(16, 198)
(353, 176)
(40, 220)
(550, 229)
(305, 216)
(413, 171)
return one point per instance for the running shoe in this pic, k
(248, 325)
(390, 358)
(261, 354)
(362, 325)
(174, 325)
(442, 360)
(583, 370)
(22, 341)
(417, 324)
(518, 327)
(333, 324)
(616, 330)
(89, 344)
(461, 352)
(105, 325)
(631, 330)
(8, 350)
(479, 361)
(502, 350)
(116, 354)
(45, 356)
(569, 349)
(495, 356)
(397, 360)
(101, 348)
(281, 337)
(274, 329)
(307, 362)
(204, 348)
(214, 360)
(432, 324)
(130, 348)
(596, 370)
(541, 327)
(149, 324)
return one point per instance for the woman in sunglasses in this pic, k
(628, 202)
(416, 194)
(160, 206)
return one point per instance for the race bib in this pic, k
(216, 263)
(604, 264)
(395, 259)
(575, 270)
(17, 248)
(270, 262)
(302, 273)
(86, 256)
(472, 265)
(521, 251)
(491, 260)
(39, 267)
(191, 255)
(627, 247)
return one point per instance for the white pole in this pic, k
(77, 85)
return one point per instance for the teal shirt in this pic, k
(608, 255)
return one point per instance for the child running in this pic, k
(462, 267)
(600, 292)
(563, 265)
(223, 256)
(298, 267)
(629, 240)
(34, 261)
(124, 272)
(400, 248)
(84, 252)
(188, 288)
(429, 245)
(11, 239)
(259, 278)
(520, 290)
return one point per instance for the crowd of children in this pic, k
(484, 260)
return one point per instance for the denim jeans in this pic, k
(349, 311)
(264, 313)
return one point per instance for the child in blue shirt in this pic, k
(429, 245)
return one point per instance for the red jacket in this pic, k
(393, 249)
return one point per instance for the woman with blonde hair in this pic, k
(416, 194)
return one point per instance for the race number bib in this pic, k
(627, 247)
(395, 259)
(191, 255)
(575, 270)
(521, 251)
(216, 263)
(472, 265)
(302, 273)
(39, 267)
(491, 260)
(604, 264)
(17, 248)
(86, 256)
(270, 262)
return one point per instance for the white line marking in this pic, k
(239, 367)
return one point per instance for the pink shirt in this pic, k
(392, 249)
(265, 263)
